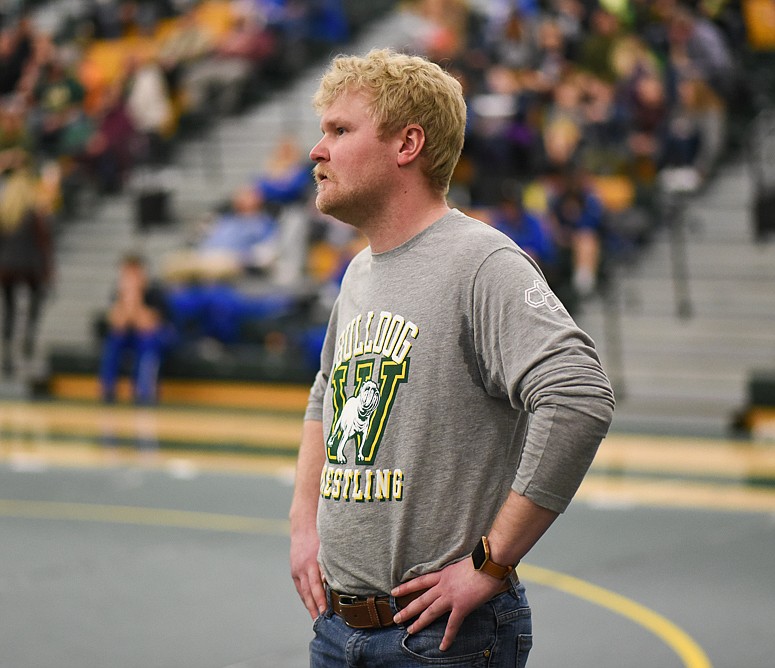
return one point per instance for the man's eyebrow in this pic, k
(333, 121)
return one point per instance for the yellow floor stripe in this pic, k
(159, 517)
(690, 653)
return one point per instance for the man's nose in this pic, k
(318, 152)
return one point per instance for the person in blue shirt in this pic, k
(526, 229)
(577, 217)
(246, 233)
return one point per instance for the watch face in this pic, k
(479, 555)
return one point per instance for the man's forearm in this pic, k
(308, 468)
(305, 543)
(517, 527)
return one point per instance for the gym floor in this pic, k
(159, 538)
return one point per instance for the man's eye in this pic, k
(340, 131)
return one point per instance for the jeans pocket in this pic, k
(472, 647)
(323, 615)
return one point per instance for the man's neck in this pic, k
(396, 227)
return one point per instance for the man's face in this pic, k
(354, 167)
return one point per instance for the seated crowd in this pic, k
(124, 80)
(582, 115)
(114, 89)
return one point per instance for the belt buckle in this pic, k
(347, 599)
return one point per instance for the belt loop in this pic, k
(329, 600)
(371, 606)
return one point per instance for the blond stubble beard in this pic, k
(355, 207)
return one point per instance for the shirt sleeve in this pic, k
(531, 351)
(317, 392)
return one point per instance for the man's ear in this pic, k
(413, 140)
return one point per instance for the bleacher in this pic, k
(212, 162)
(101, 228)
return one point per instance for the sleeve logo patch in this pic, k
(541, 295)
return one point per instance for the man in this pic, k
(135, 324)
(407, 520)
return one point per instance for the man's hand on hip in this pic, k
(457, 589)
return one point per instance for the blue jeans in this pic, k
(497, 635)
(146, 347)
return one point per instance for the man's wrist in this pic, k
(483, 561)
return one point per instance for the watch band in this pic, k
(496, 570)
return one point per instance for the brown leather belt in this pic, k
(375, 612)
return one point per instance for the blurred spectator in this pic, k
(16, 142)
(570, 16)
(698, 49)
(114, 146)
(243, 238)
(187, 42)
(576, 215)
(632, 56)
(44, 51)
(604, 129)
(204, 307)
(501, 141)
(58, 122)
(647, 108)
(219, 81)
(107, 18)
(526, 229)
(287, 177)
(561, 141)
(16, 49)
(246, 232)
(149, 107)
(596, 47)
(26, 258)
(136, 329)
(212, 316)
(552, 62)
(333, 245)
(284, 186)
(328, 22)
(446, 23)
(512, 43)
(565, 105)
(695, 130)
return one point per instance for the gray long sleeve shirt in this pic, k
(450, 375)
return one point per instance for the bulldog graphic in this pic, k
(355, 419)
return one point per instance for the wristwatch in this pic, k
(481, 558)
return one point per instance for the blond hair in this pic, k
(402, 90)
(18, 196)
